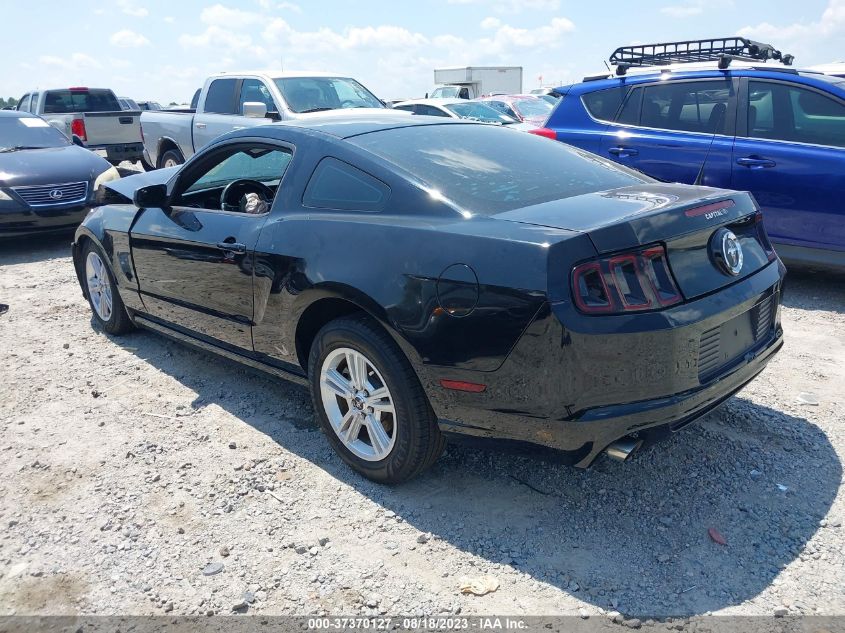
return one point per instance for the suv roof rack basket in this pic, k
(720, 49)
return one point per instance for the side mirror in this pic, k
(151, 197)
(255, 110)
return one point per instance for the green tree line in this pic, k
(6, 103)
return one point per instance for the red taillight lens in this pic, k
(628, 282)
(77, 128)
(544, 132)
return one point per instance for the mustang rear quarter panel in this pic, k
(390, 267)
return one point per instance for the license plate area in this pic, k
(724, 344)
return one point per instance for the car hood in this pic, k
(128, 185)
(50, 166)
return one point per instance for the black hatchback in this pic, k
(46, 182)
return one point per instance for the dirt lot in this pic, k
(139, 477)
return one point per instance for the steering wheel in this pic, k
(238, 188)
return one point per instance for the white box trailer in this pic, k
(469, 82)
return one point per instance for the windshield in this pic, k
(29, 133)
(80, 100)
(479, 112)
(531, 108)
(486, 169)
(315, 94)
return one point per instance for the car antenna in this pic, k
(700, 176)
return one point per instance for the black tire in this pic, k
(119, 321)
(418, 441)
(172, 154)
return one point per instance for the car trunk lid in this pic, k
(684, 219)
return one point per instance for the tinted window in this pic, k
(603, 104)
(220, 98)
(630, 113)
(313, 94)
(428, 110)
(263, 164)
(789, 113)
(29, 131)
(338, 185)
(254, 91)
(688, 106)
(487, 169)
(83, 100)
(23, 104)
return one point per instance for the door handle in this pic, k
(622, 152)
(753, 162)
(200, 126)
(231, 247)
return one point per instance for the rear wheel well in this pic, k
(165, 146)
(315, 317)
(79, 263)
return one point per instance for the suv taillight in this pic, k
(544, 132)
(77, 128)
(628, 282)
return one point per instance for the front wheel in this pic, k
(370, 403)
(103, 297)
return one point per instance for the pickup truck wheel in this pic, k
(171, 158)
(370, 403)
(108, 309)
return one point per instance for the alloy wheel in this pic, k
(358, 404)
(99, 286)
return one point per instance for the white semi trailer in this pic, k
(469, 82)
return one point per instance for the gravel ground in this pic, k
(141, 477)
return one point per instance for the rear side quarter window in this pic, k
(603, 104)
(338, 185)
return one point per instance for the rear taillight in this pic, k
(77, 128)
(628, 282)
(544, 132)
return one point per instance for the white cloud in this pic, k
(75, 62)
(130, 7)
(219, 15)
(507, 38)
(490, 23)
(805, 39)
(682, 11)
(128, 39)
(515, 6)
(169, 19)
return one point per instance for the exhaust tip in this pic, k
(621, 450)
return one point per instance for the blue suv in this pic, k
(771, 130)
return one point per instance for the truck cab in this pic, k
(454, 92)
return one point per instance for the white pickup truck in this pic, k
(231, 101)
(91, 117)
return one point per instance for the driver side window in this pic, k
(260, 168)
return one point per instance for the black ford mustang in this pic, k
(431, 278)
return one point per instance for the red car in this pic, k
(526, 108)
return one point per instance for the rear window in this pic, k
(67, 101)
(489, 169)
(338, 185)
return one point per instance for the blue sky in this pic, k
(163, 49)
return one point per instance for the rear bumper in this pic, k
(576, 385)
(119, 152)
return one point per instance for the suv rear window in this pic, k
(65, 101)
(486, 169)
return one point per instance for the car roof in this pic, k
(436, 101)
(348, 125)
(702, 70)
(277, 74)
